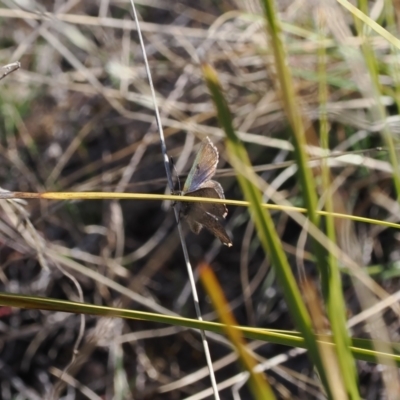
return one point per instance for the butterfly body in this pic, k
(199, 184)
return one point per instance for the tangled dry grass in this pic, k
(78, 116)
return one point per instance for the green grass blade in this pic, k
(263, 221)
(327, 264)
(335, 304)
(361, 348)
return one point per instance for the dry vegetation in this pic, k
(78, 117)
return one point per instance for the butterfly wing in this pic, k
(209, 190)
(203, 168)
(199, 184)
(216, 186)
(197, 217)
(208, 214)
(211, 223)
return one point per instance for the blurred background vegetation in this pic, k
(78, 116)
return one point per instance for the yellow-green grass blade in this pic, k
(362, 348)
(371, 23)
(335, 304)
(376, 91)
(161, 197)
(257, 382)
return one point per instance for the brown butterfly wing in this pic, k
(194, 226)
(217, 209)
(199, 184)
(197, 217)
(219, 192)
(208, 214)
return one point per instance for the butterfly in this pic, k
(199, 184)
